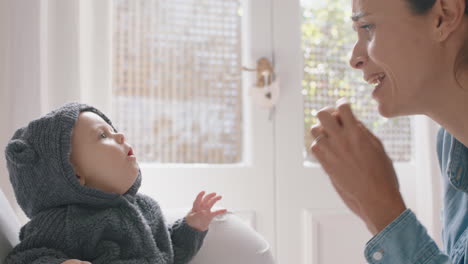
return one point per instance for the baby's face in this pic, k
(100, 156)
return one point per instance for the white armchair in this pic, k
(9, 227)
(229, 240)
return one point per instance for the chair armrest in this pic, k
(9, 227)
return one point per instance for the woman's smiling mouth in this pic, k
(377, 80)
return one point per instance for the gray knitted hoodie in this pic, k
(71, 221)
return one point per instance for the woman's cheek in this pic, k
(372, 49)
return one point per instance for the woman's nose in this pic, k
(358, 58)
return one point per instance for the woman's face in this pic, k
(395, 49)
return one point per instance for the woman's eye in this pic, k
(367, 27)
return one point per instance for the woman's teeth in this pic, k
(378, 79)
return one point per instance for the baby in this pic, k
(77, 180)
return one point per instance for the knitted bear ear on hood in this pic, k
(20, 152)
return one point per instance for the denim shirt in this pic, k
(405, 240)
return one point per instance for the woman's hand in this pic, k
(201, 215)
(75, 261)
(358, 167)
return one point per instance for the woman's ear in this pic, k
(449, 15)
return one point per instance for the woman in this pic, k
(416, 52)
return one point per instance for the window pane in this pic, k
(176, 79)
(327, 41)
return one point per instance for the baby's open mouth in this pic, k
(130, 152)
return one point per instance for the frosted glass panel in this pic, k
(176, 89)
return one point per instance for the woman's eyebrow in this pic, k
(356, 16)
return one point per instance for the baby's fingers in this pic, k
(198, 200)
(212, 201)
(206, 199)
(218, 212)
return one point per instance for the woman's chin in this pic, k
(386, 111)
(392, 112)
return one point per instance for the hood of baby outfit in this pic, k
(38, 162)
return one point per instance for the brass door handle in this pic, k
(264, 72)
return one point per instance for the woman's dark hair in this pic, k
(422, 6)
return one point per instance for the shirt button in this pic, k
(378, 255)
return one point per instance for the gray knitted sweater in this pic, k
(70, 221)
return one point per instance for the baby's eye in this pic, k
(103, 135)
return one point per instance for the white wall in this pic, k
(20, 75)
(5, 121)
(39, 66)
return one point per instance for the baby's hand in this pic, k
(75, 261)
(200, 216)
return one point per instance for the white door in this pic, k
(247, 185)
